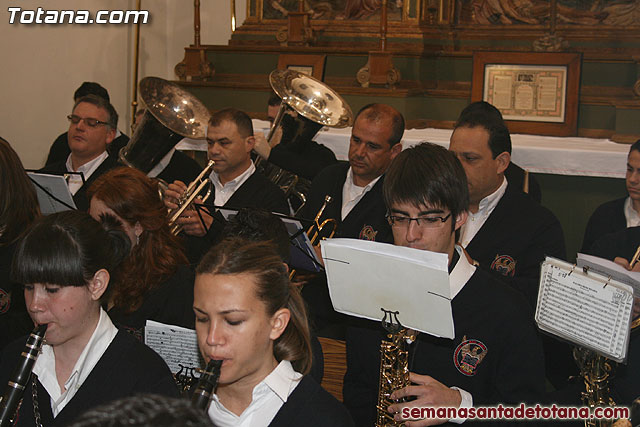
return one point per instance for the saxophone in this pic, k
(12, 397)
(394, 368)
(595, 371)
(206, 385)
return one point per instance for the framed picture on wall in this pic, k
(536, 93)
(312, 65)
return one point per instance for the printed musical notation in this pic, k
(177, 346)
(586, 309)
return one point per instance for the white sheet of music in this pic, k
(176, 345)
(365, 277)
(610, 268)
(57, 186)
(587, 309)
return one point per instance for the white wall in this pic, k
(42, 65)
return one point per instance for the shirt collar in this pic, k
(88, 168)
(281, 380)
(350, 184)
(633, 217)
(461, 273)
(487, 204)
(234, 183)
(45, 366)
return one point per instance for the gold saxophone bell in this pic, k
(186, 199)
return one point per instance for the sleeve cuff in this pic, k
(466, 402)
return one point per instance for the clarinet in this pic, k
(18, 381)
(206, 385)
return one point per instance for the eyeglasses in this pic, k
(421, 221)
(92, 123)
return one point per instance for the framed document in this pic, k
(312, 65)
(535, 92)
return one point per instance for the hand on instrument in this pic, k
(173, 194)
(428, 393)
(319, 254)
(262, 147)
(191, 223)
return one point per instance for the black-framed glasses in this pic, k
(430, 221)
(89, 121)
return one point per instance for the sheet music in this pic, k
(586, 309)
(610, 268)
(57, 186)
(176, 345)
(365, 277)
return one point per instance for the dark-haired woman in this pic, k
(250, 316)
(155, 282)
(18, 209)
(66, 261)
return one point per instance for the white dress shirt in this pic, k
(460, 275)
(475, 221)
(45, 366)
(632, 216)
(75, 181)
(163, 163)
(224, 192)
(267, 399)
(352, 194)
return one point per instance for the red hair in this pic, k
(134, 197)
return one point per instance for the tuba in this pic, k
(172, 114)
(307, 105)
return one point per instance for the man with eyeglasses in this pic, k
(92, 127)
(496, 356)
(59, 150)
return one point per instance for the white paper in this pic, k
(610, 268)
(176, 345)
(57, 186)
(365, 277)
(586, 309)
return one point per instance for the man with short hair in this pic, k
(616, 215)
(356, 187)
(495, 356)
(59, 150)
(92, 127)
(507, 232)
(236, 183)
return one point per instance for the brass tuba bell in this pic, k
(172, 114)
(307, 105)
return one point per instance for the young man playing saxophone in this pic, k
(496, 356)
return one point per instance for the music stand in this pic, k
(53, 191)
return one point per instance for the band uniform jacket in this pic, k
(515, 239)
(256, 192)
(60, 150)
(310, 405)
(367, 218)
(607, 218)
(170, 302)
(80, 198)
(496, 354)
(126, 368)
(303, 158)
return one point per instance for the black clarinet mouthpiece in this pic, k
(206, 385)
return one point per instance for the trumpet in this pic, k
(187, 198)
(315, 230)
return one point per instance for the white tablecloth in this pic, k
(542, 154)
